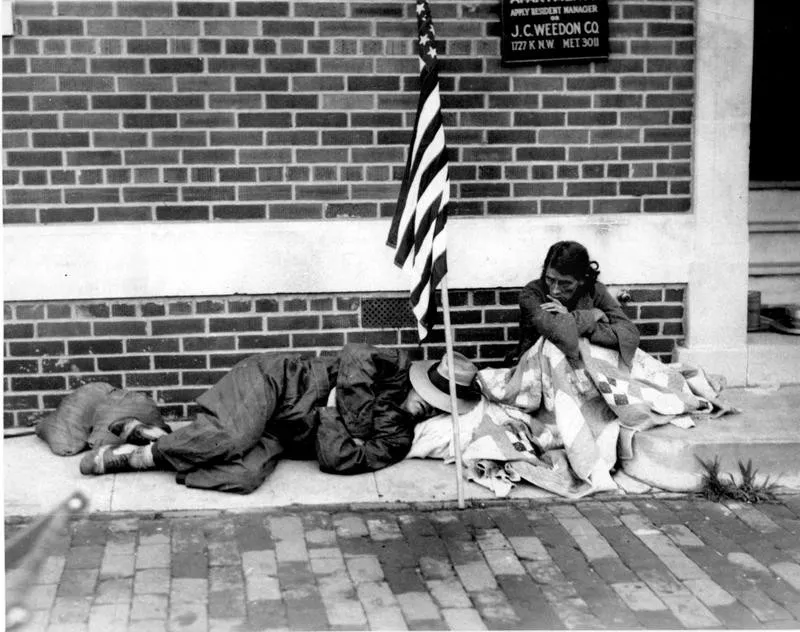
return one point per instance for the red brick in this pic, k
(18, 331)
(227, 360)
(235, 324)
(45, 383)
(317, 340)
(126, 363)
(154, 380)
(209, 343)
(385, 337)
(59, 365)
(37, 348)
(63, 330)
(51, 28)
(667, 205)
(21, 366)
(94, 347)
(205, 9)
(114, 27)
(182, 213)
(33, 158)
(20, 402)
(183, 361)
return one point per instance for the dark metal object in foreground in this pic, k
(26, 552)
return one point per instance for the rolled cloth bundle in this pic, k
(82, 418)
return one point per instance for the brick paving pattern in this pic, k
(663, 562)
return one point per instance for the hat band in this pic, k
(443, 384)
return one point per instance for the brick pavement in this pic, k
(650, 562)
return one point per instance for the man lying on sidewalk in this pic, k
(354, 412)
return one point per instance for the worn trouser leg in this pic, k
(239, 476)
(225, 442)
(260, 409)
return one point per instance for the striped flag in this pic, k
(418, 227)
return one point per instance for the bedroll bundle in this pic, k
(82, 418)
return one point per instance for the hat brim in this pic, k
(418, 375)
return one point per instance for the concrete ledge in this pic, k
(766, 359)
(773, 358)
(766, 431)
(728, 361)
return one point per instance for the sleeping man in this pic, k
(353, 412)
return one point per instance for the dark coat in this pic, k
(367, 430)
(565, 330)
(271, 406)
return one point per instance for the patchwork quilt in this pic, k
(563, 429)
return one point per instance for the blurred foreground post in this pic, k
(26, 552)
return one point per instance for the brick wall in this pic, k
(174, 349)
(154, 111)
(165, 111)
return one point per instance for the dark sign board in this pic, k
(554, 30)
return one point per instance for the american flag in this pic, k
(418, 227)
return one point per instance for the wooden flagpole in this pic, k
(453, 399)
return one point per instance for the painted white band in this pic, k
(99, 261)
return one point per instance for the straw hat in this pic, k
(431, 379)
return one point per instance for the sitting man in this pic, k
(354, 412)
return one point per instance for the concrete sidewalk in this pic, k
(768, 431)
(35, 481)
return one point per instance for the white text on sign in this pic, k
(550, 29)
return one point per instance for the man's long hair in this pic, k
(572, 258)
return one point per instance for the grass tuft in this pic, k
(749, 490)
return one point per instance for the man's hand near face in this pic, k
(554, 306)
